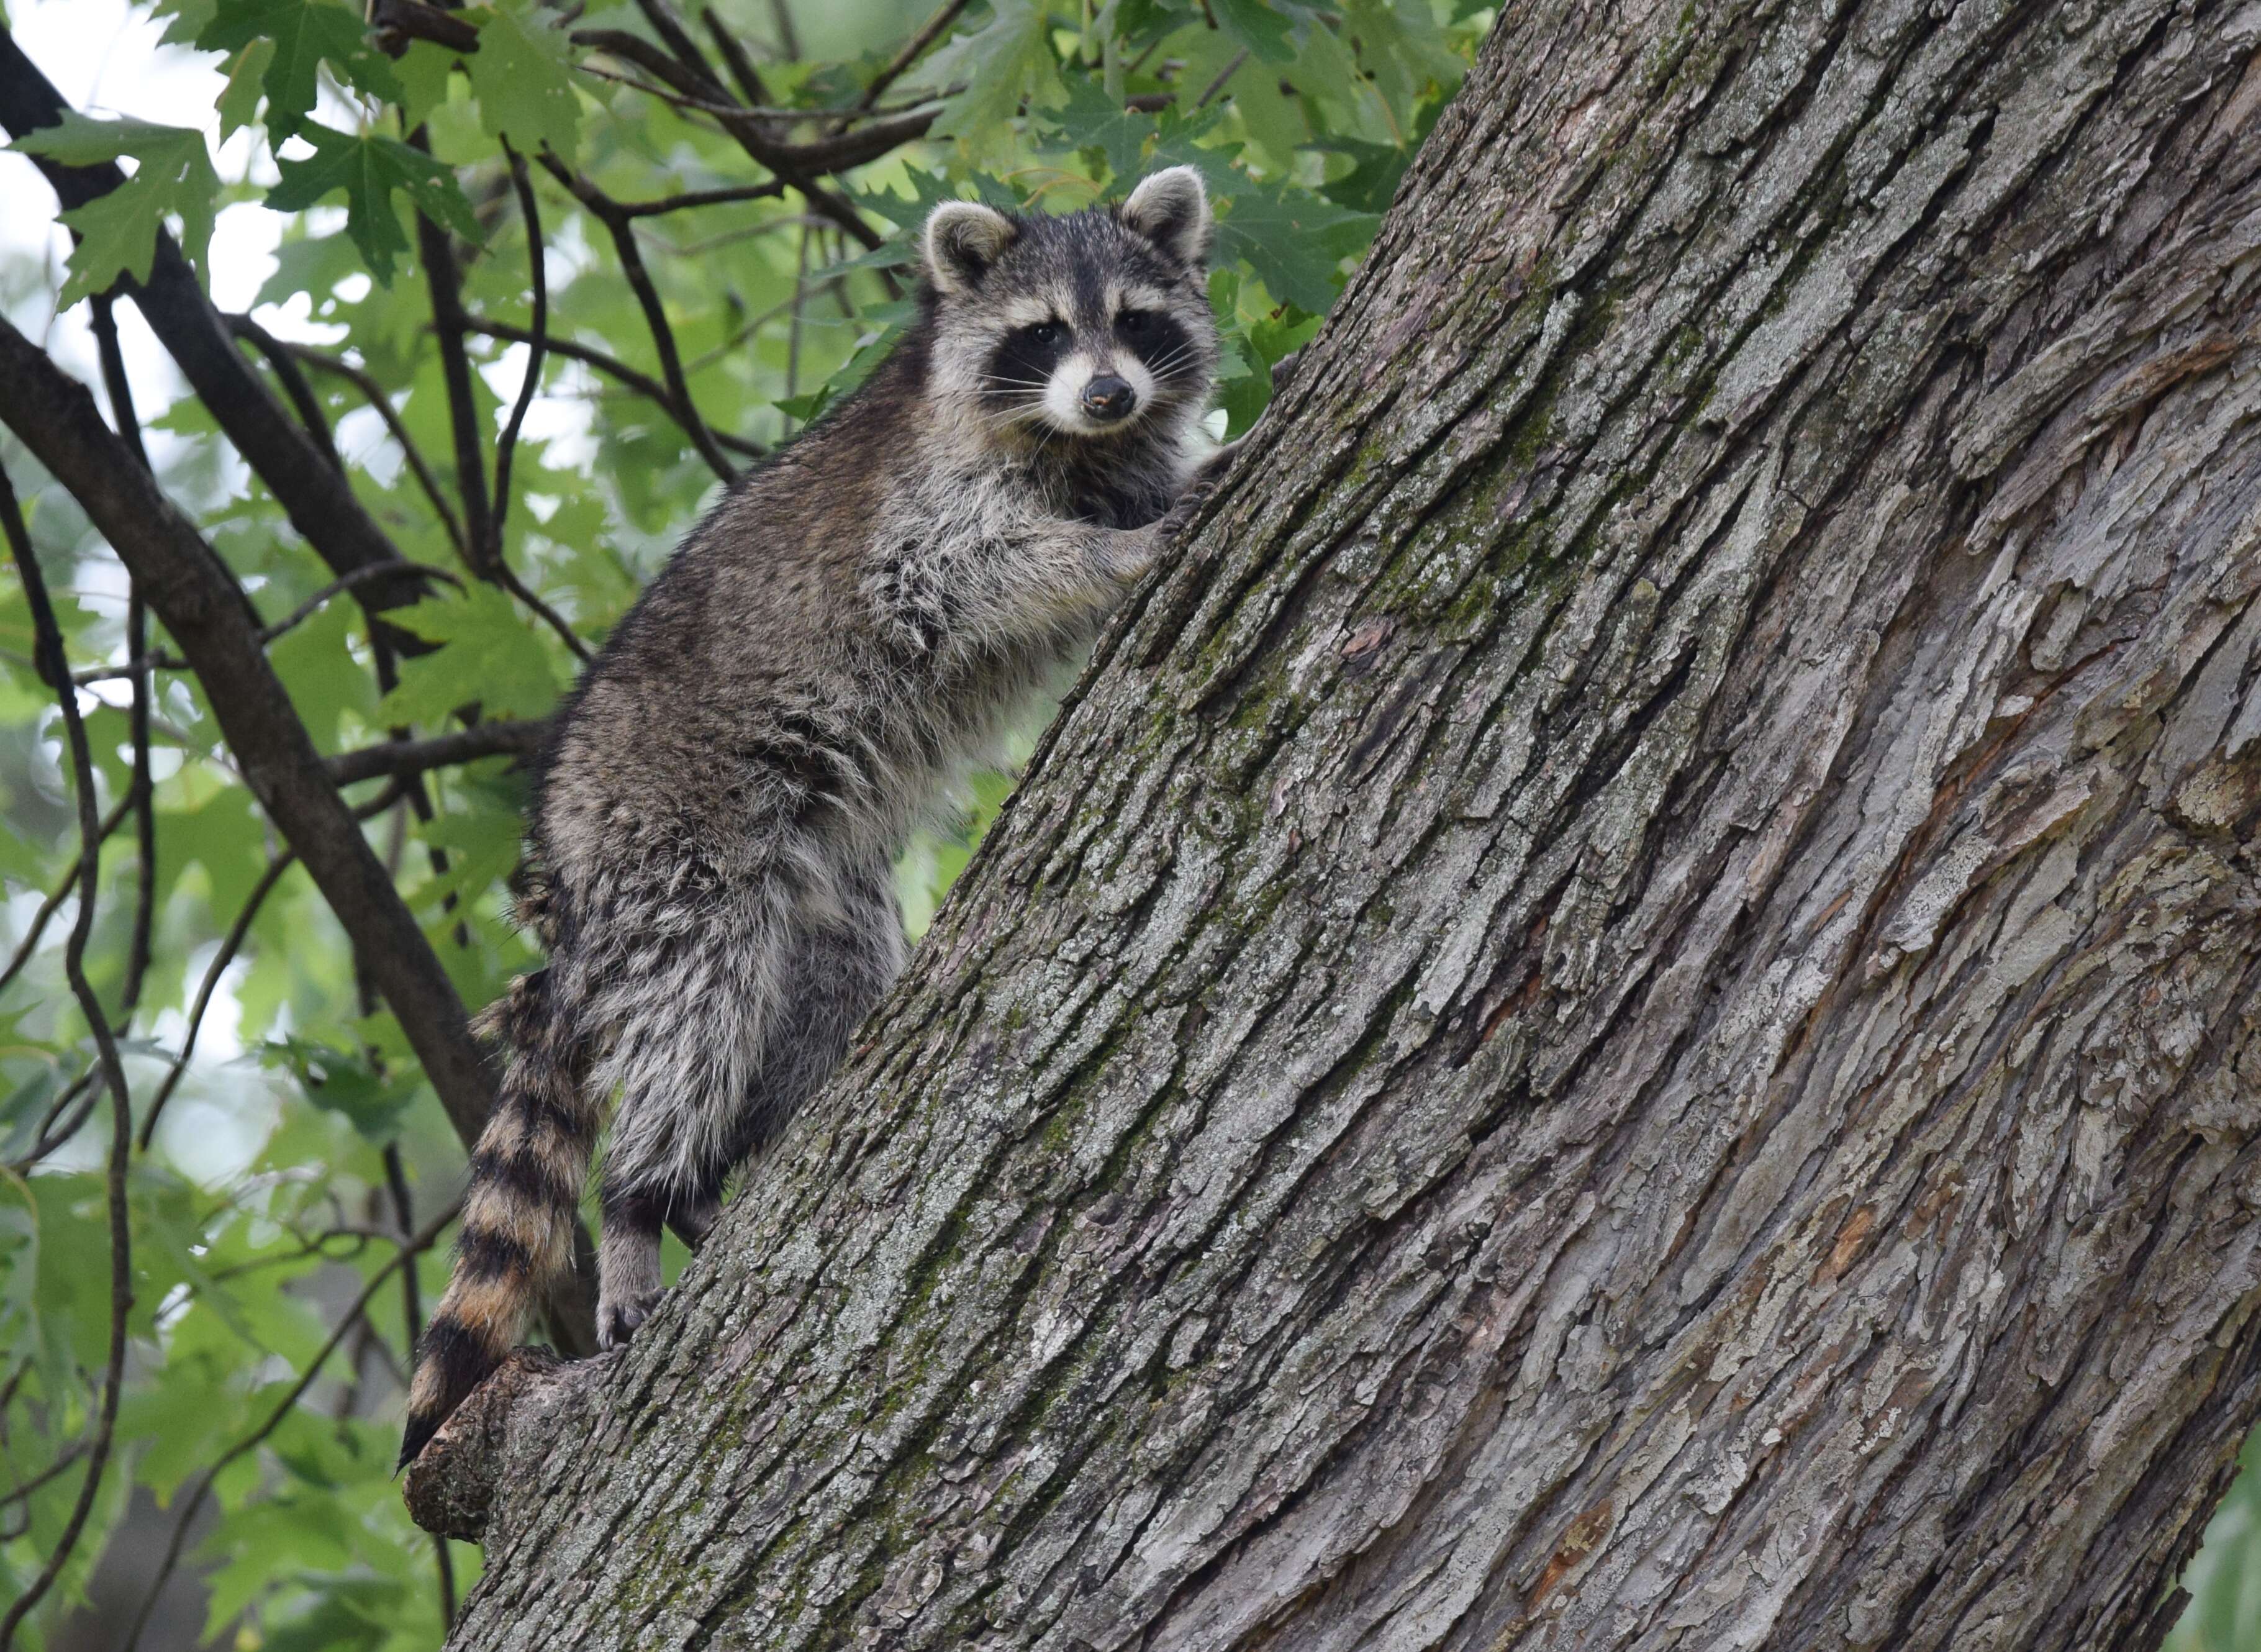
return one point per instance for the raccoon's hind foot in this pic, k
(628, 1269)
(617, 1320)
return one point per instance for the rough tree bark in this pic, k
(1625, 1013)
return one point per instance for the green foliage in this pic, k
(173, 179)
(2224, 1581)
(522, 80)
(370, 168)
(266, 1202)
(299, 37)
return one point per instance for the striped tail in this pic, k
(517, 1234)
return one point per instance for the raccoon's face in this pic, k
(1094, 326)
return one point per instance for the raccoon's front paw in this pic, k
(1127, 555)
(617, 1319)
(1188, 503)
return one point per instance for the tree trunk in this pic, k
(1625, 1013)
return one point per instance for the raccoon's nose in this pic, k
(1108, 398)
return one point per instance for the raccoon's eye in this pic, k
(1046, 333)
(1137, 324)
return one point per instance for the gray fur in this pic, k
(846, 633)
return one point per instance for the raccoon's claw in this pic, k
(617, 1322)
(1189, 502)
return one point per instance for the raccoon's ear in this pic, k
(1171, 208)
(963, 239)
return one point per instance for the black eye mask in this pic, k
(1159, 340)
(1026, 358)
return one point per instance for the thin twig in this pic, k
(155, 660)
(643, 383)
(294, 383)
(792, 329)
(143, 791)
(767, 191)
(700, 247)
(312, 605)
(55, 898)
(48, 1136)
(796, 164)
(444, 281)
(670, 29)
(655, 314)
(50, 638)
(751, 87)
(374, 394)
(24, 1489)
(193, 1504)
(538, 273)
(930, 31)
(789, 37)
(412, 1314)
(229, 946)
(748, 327)
(1222, 75)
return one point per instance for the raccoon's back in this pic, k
(748, 681)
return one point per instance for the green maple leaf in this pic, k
(1401, 46)
(1372, 181)
(238, 103)
(488, 653)
(173, 177)
(1293, 240)
(1092, 118)
(1005, 63)
(306, 34)
(1264, 29)
(524, 80)
(369, 169)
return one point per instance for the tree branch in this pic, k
(293, 382)
(767, 191)
(654, 314)
(56, 669)
(445, 283)
(313, 495)
(30, 944)
(381, 403)
(144, 792)
(412, 1315)
(194, 596)
(751, 87)
(538, 275)
(230, 945)
(400, 758)
(930, 31)
(643, 383)
(312, 605)
(396, 22)
(689, 75)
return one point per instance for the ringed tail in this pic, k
(517, 1234)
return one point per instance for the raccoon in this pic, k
(709, 853)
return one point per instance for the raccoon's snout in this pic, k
(1109, 399)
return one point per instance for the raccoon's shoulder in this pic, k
(823, 492)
